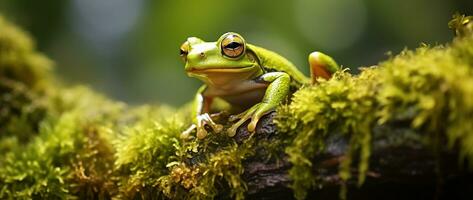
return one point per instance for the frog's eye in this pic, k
(184, 50)
(233, 46)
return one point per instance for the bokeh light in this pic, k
(331, 24)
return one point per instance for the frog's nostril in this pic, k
(202, 54)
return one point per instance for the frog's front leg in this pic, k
(202, 118)
(276, 92)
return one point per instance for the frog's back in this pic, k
(272, 61)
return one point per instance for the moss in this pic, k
(51, 165)
(436, 85)
(144, 149)
(206, 169)
(342, 105)
(18, 58)
(23, 73)
(155, 163)
(218, 175)
(20, 112)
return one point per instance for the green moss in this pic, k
(18, 58)
(342, 105)
(23, 76)
(155, 163)
(144, 149)
(215, 174)
(21, 111)
(436, 85)
(61, 161)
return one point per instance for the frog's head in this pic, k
(229, 58)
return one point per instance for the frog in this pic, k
(252, 79)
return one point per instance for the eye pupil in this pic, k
(233, 45)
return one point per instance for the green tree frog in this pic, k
(248, 77)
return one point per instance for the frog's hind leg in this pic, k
(321, 65)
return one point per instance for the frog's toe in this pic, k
(242, 119)
(252, 124)
(232, 131)
(236, 117)
(233, 118)
(254, 121)
(217, 128)
(263, 109)
(201, 133)
(185, 134)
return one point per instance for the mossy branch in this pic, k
(406, 121)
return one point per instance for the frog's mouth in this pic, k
(221, 76)
(194, 70)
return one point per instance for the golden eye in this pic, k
(233, 46)
(184, 50)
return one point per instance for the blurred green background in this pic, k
(129, 49)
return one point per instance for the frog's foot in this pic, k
(254, 113)
(202, 121)
(321, 66)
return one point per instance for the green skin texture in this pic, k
(258, 81)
